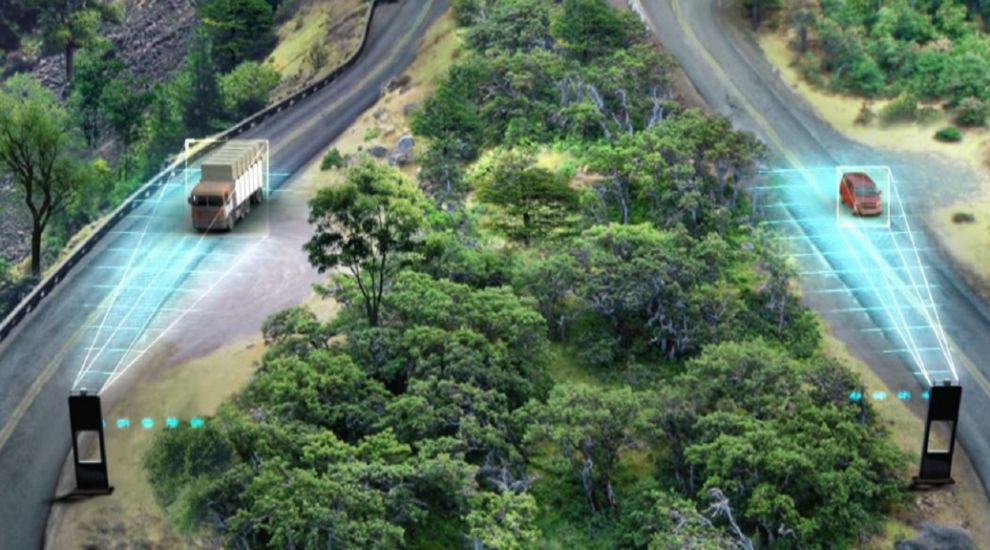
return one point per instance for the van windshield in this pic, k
(866, 190)
(207, 200)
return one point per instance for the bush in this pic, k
(865, 116)
(927, 115)
(904, 108)
(333, 159)
(317, 57)
(963, 217)
(972, 112)
(949, 134)
(245, 90)
(810, 67)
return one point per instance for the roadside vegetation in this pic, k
(921, 56)
(71, 159)
(569, 331)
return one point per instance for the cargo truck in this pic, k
(861, 193)
(233, 178)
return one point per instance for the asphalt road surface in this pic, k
(155, 286)
(727, 67)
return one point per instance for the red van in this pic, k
(860, 193)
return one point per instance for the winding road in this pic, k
(731, 73)
(155, 288)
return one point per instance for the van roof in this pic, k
(859, 179)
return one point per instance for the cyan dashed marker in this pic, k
(904, 395)
(147, 423)
(196, 422)
(925, 395)
(123, 423)
(879, 395)
(171, 422)
(855, 396)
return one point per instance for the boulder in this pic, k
(403, 152)
(934, 537)
(378, 151)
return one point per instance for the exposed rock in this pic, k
(152, 41)
(381, 114)
(398, 83)
(934, 537)
(405, 143)
(378, 151)
(403, 152)
(409, 108)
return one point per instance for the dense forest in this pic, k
(931, 51)
(601, 352)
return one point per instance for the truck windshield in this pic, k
(207, 200)
(866, 191)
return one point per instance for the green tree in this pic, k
(650, 291)
(95, 67)
(239, 30)
(503, 521)
(38, 146)
(441, 175)
(68, 25)
(656, 519)
(200, 88)
(164, 130)
(365, 225)
(798, 462)
(245, 90)
(589, 426)
(589, 28)
(533, 202)
(124, 100)
(516, 25)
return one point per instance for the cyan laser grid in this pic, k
(85, 418)
(943, 410)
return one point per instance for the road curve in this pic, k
(729, 70)
(153, 284)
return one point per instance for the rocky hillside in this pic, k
(152, 40)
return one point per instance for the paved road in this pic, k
(156, 285)
(854, 295)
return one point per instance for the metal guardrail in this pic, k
(44, 288)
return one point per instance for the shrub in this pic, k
(949, 134)
(972, 112)
(371, 133)
(865, 116)
(333, 159)
(927, 115)
(963, 217)
(810, 67)
(903, 108)
(317, 57)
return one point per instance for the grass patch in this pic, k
(371, 133)
(330, 29)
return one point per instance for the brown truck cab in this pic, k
(232, 180)
(861, 194)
